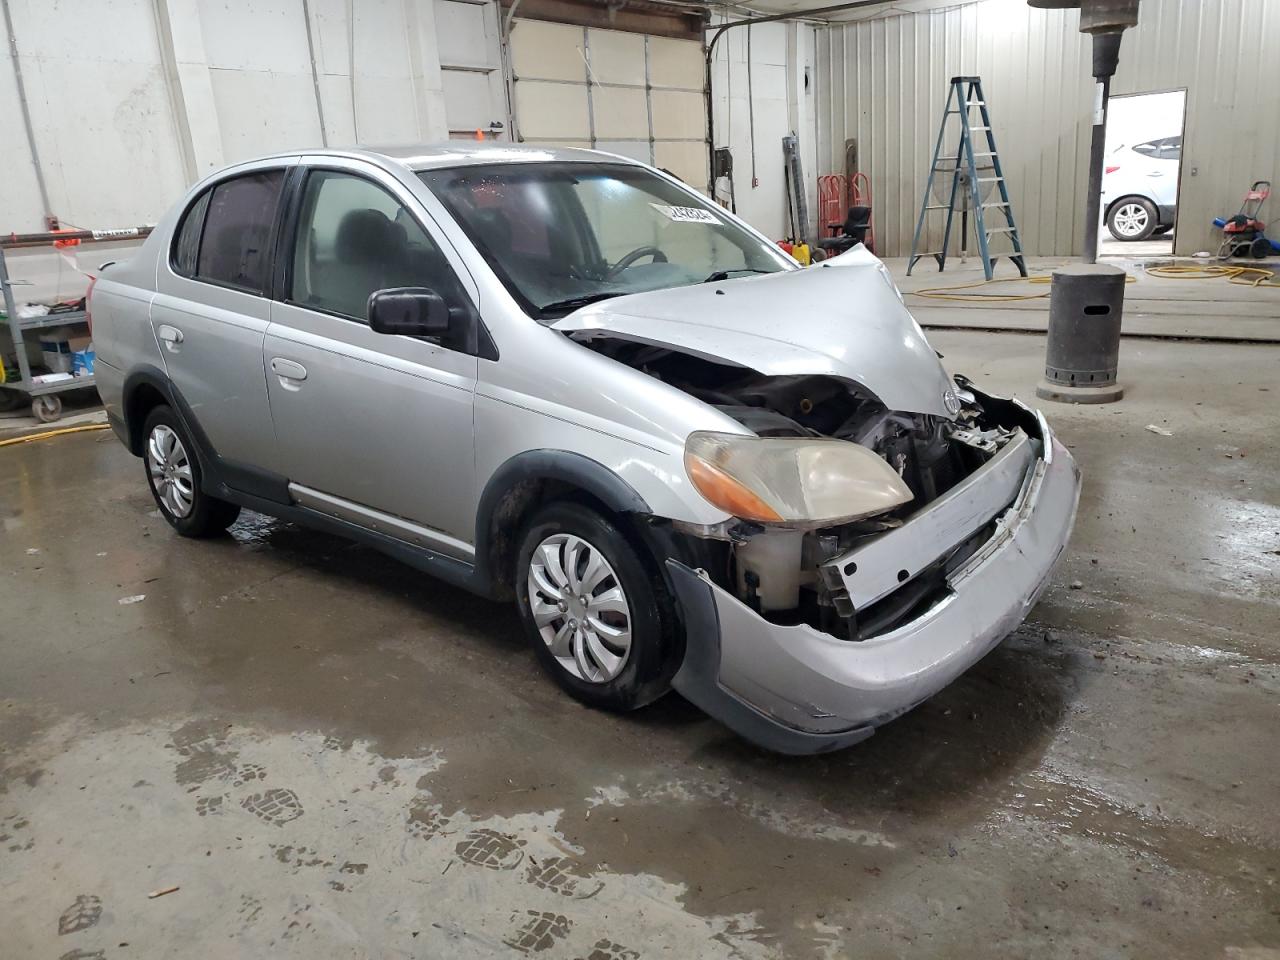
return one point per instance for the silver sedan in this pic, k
(565, 379)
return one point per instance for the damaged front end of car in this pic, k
(873, 553)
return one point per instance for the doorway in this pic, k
(1141, 167)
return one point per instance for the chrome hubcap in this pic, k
(579, 608)
(1130, 219)
(170, 471)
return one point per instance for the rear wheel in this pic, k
(173, 474)
(1133, 218)
(600, 621)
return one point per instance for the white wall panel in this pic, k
(675, 63)
(553, 111)
(100, 115)
(679, 114)
(468, 42)
(883, 81)
(617, 57)
(686, 159)
(467, 101)
(20, 204)
(547, 51)
(274, 122)
(621, 113)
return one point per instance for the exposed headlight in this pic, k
(794, 481)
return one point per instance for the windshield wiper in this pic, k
(573, 303)
(724, 274)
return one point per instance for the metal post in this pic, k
(1093, 201)
(1106, 53)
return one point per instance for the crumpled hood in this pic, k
(841, 318)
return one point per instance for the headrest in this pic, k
(367, 236)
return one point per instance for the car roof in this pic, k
(462, 153)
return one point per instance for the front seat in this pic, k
(370, 251)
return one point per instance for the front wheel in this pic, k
(173, 474)
(600, 621)
(1133, 218)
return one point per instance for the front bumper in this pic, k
(794, 689)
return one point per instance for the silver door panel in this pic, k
(211, 344)
(381, 421)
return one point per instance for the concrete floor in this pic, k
(330, 756)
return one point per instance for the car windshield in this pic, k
(561, 235)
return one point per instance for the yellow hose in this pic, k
(1247, 276)
(85, 428)
(944, 293)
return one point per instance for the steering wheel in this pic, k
(633, 256)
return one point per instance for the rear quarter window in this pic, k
(186, 242)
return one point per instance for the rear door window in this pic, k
(235, 246)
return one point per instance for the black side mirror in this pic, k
(409, 312)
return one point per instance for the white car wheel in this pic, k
(1133, 218)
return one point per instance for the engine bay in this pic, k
(778, 572)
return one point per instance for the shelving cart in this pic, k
(46, 406)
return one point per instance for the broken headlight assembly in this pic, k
(793, 481)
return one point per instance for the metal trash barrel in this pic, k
(1086, 303)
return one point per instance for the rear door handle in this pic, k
(290, 372)
(170, 335)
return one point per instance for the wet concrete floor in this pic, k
(329, 755)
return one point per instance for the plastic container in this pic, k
(774, 557)
(56, 355)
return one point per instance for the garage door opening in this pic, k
(1143, 160)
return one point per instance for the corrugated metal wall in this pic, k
(884, 81)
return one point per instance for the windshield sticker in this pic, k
(686, 214)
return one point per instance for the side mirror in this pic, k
(409, 312)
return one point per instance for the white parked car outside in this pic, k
(1140, 188)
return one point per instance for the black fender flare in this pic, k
(574, 469)
(221, 477)
(146, 375)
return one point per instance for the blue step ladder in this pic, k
(966, 184)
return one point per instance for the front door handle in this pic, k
(169, 335)
(290, 372)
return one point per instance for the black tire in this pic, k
(208, 516)
(1121, 208)
(651, 659)
(1260, 248)
(1162, 230)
